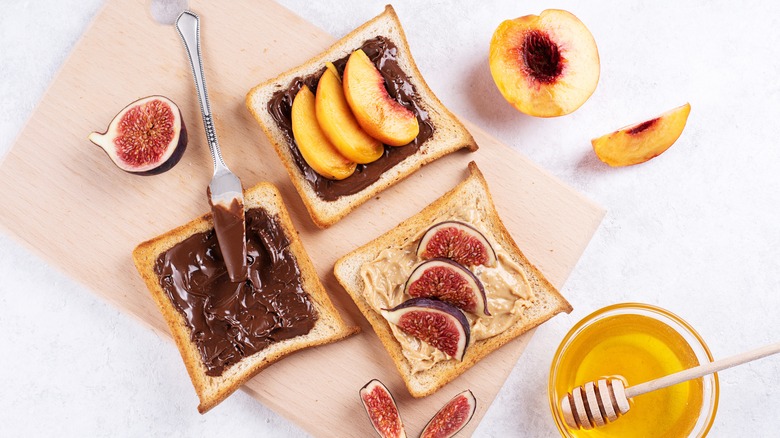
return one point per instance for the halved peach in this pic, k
(318, 152)
(381, 116)
(545, 65)
(640, 142)
(339, 124)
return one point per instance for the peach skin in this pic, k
(339, 124)
(377, 113)
(643, 141)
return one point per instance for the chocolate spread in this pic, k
(229, 226)
(383, 53)
(229, 321)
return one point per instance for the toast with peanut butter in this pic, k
(447, 287)
(355, 120)
(227, 332)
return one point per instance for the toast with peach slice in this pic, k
(402, 91)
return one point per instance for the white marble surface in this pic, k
(696, 230)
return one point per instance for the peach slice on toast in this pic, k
(339, 124)
(545, 65)
(318, 152)
(640, 142)
(377, 113)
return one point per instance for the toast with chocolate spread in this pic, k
(440, 132)
(465, 229)
(227, 332)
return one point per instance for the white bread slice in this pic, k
(546, 303)
(449, 134)
(212, 390)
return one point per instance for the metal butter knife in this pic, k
(225, 191)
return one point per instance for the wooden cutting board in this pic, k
(66, 201)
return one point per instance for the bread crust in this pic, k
(449, 135)
(547, 301)
(212, 390)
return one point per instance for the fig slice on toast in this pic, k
(448, 281)
(382, 410)
(456, 241)
(440, 325)
(451, 418)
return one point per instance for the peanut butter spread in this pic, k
(506, 288)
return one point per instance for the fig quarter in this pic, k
(382, 410)
(452, 417)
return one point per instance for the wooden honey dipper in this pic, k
(595, 404)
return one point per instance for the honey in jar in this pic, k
(639, 347)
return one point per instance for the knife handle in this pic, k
(188, 25)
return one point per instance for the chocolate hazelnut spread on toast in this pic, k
(230, 321)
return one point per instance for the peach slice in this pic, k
(339, 124)
(333, 69)
(381, 116)
(640, 142)
(318, 152)
(545, 65)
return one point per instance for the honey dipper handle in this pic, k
(702, 370)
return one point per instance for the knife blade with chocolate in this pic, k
(225, 192)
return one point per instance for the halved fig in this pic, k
(147, 137)
(456, 241)
(448, 281)
(440, 325)
(382, 410)
(452, 418)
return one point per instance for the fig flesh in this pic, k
(147, 137)
(448, 281)
(382, 410)
(456, 241)
(440, 325)
(452, 418)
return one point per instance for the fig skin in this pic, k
(470, 231)
(397, 425)
(451, 418)
(395, 314)
(177, 146)
(478, 291)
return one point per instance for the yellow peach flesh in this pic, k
(377, 113)
(576, 53)
(314, 146)
(339, 124)
(643, 141)
(333, 69)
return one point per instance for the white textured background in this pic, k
(696, 230)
